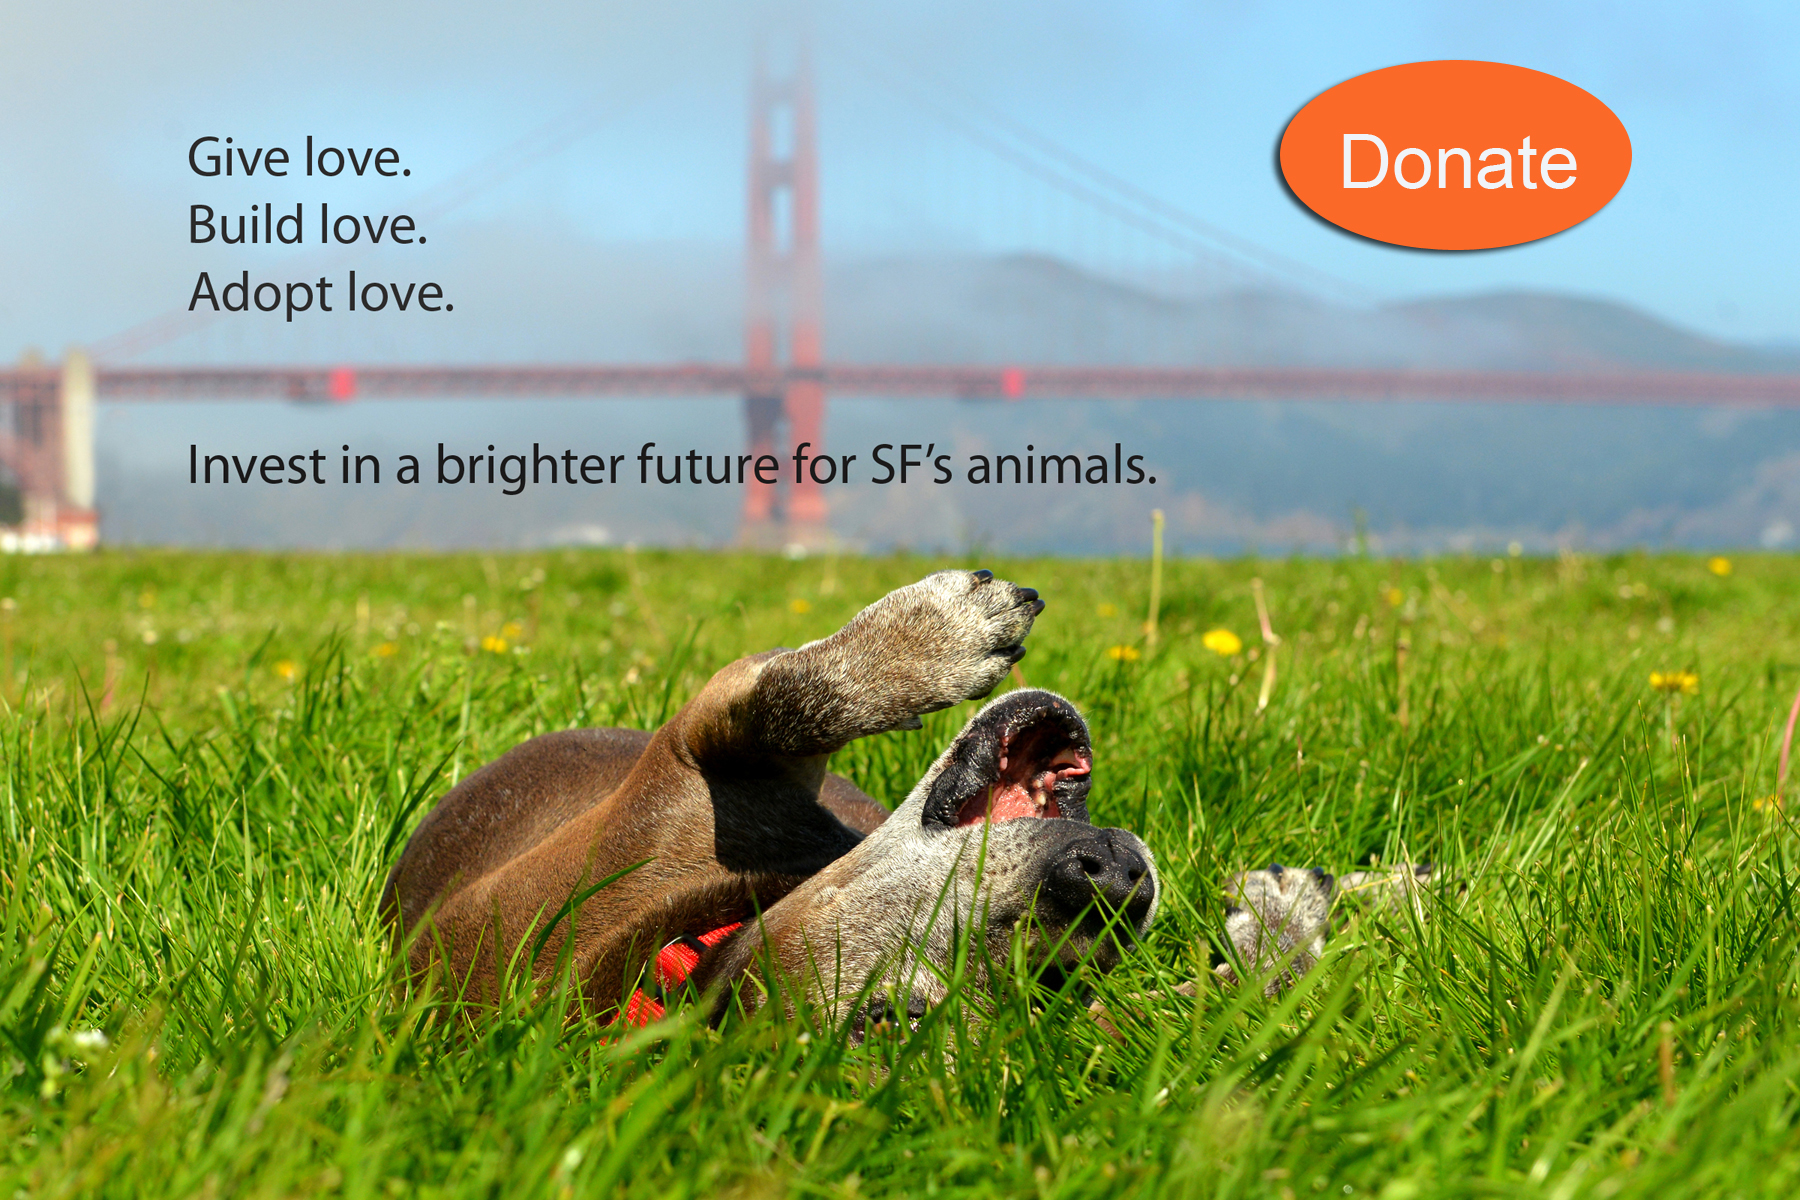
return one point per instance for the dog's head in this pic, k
(1014, 786)
(994, 838)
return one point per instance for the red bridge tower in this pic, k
(782, 347)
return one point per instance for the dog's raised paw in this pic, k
(971, 625)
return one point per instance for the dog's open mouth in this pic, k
(1032, 765)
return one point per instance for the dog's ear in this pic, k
(971, 764)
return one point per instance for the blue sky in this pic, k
(98, 102)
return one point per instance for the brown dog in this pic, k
(734, 818)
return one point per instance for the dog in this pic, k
(723, 843)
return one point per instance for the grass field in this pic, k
(210, 761)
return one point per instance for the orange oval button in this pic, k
(1455, 155)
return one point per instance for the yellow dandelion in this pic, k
(386, 650)
(512, 629)
(1108, 610)
(799, 606)
(1396, 597)
(1719, 566)
(1222, 642)
(1123, 653)
(287, 668)
(1675, 682)
(493, 645)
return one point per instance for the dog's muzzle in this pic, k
(1101, 869)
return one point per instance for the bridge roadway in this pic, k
(341, 384)
(1044, 382)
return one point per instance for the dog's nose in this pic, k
(1100, 868)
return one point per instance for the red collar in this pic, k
(674, 963)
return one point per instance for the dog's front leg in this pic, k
(950, 637)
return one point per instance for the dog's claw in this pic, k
(983, 576)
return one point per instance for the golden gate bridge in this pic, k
(784, 379)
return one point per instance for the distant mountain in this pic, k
(1571, 332)
(1031, 308)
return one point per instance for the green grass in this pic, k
(210, 760)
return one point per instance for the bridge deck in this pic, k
(338, 384)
